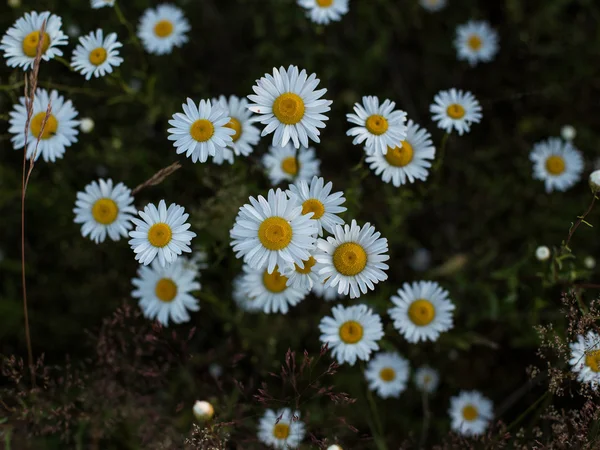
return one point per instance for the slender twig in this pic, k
(426, 419)
(577, 223)
(158, 177)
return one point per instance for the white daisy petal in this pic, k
(324, 11)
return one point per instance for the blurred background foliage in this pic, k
(480, 214)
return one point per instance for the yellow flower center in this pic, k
(98, 56)
(31, 41)
(281, 431)
(166, 290)
(275, 233)
(159, 234)
(312, 205)
(421, 312)
(308, 265)
(475, 42)
(105, 211)
(349, 259)
(275, 282)
(376, 124)
(387, 374)
(400, 156)
(236, 126)
(324, 3)
(163, 28)
(555, 165)
(455, 111)
(49, 129)
(202, 130)
(288, 108)
(470, 413)
(290, 165)
(592, 360)
(351, 332)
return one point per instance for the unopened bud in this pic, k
(203, 411)
(542, 253)
(594, 181)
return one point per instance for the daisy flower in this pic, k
(222, 156)
(470, 413)
(326, 293)
(246, 135)
(379, 126)
(104, 209)
(97, 4)
(455, 109)
(86, 125)
(273, 231)
(351, 333)
(433, 5)
(96, 55)
(423, 311)
(270, 292)
(324, 11)
(316, 198)
(302, 277)
(476, 41)
(162, 28)
(353, 259)
(289, 164)
(585, 358)
(281, 429)
(427, 379)
(408, 161)
(162, 233)
(387, 374)
(201, 131)
(290, 106)
(241, 296)
(542, 253)
(164, 292)
(21, 40)
(60, 129)
(557, 163)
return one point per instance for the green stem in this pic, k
(378, 435)
(528, 410)
(64, 62)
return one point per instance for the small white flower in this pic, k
(427, 379)
(96, 55)
(353, 259)
(455, 109)
(433, 5)
(290, 106)
(351, 333)
(470, 413)
(324, 11)
(334, 447)
(162, 233)
(246, 135)
(585, 359)
(568, 132)
(201, 131)
(589, 262)
(103, 209)
(203, 411)
(387, 374)
(288, 164)
(59, 128)
(165, 292)
(317, 198)
(86, 125)
(542, 253)
(97, 4)
(594, 181)
(281, 429)
(378, 126)
(557, 163)
(328, 294)
(302, 278)
(20, 42)
(420, 260)
(162, 28)
(73, 30)
(408, 161)
(268, 292)
(273, 231)
(476, 41)
(422, 311)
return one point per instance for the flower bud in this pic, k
(542, 253)
(594, 181)
(86, 125)
(568, 132)
(203, 411)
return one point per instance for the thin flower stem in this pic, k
(127, 25)
(576, 224)
(426, 419)
(378, 431)
(64, 62)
